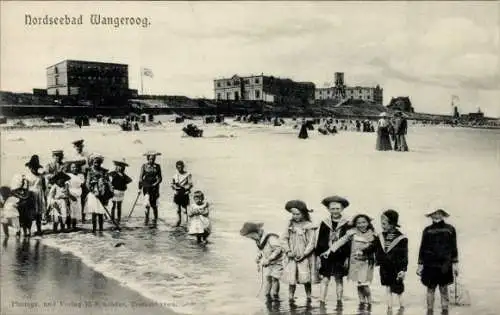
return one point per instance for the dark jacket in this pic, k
(395, 257)
(402, 126)
(327, 234)
(438, 245)
(119, 181)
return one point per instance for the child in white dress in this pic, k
(199, 223)
(75, 184)
(58, 200)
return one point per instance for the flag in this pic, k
(147, 72)
(454, 98)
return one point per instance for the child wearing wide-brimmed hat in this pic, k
(100, 191)
(269, 258)
(391, 254)
(438, 258)
(333, 259)
(299, 240)
(36, 184)
(149, 182)
(119, 181)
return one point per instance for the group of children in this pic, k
(307, 254)
(64, 192)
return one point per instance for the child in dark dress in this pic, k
(438, 259)
(119, 181)
(391, 254)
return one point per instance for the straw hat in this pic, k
(250, 227)
(77, 143)
(297, 204)
(152, 153)
(344, 202)
(441, 211)
(57, 152)
(120, 163)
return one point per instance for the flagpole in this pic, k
(142, 89)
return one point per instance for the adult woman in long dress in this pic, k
(383, 134)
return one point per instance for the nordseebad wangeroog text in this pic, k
(92, 19)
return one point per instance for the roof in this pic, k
(89, 61)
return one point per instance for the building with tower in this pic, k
(340, 92)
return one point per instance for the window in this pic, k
(218, 84)
(228, 83)
(218, 96)
(228, 96)
(257, 94)
(246, 81)
(257, 81)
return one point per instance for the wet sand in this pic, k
(37, 279)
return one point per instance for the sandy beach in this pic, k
(248, 172)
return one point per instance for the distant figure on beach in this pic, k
(36, 184)
(119, 181)
(303, 130)
(270, 257)
(438, 259)
(59, 202)
(199, 222)
(182, 183)
(149, 182)
(383, 134)
(400, 130)
(298, 246)
(333, 260)
(76, 183)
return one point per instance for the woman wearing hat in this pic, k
(333, 261)
(149, 181)
(299, 240)
(36, 184)
(119, 181)
(383, 133)
(100, 191)
(438, 258)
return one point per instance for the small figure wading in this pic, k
(149, 182)
(269, 259)
(119, 181)
(182, 185)
(199, 222)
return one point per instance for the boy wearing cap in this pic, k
(391, 254)
(269, 258)
(119, 181)
(333, 258)
(438, 259)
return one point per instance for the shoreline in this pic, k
(102, 294)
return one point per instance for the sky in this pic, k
(428, 51)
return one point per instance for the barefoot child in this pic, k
(438, 259)
(391, 254)
(58, 200)
(75, 186)
(269, 259)
(333, 262)
(100, 191)
(199, 223)
(361, 263)
(9, 215)
(181, 184)
(149, 182)
(36, 184)
(119, 181)
(299, 240)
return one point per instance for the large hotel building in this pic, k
(340, 92)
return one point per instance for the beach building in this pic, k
(264, 88)
(341, 92)
(89, 80)
(401, 103)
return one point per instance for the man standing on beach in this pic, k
(401, 128)
(81, 157)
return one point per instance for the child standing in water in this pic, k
(75, 184)
(361, 263)
(199, 223)
(438, 259)
(59, 199)
(119, 181)
(269, 258)
(299, 240)
(391, 254)
(149, 182)
(181, 184)
(36, 184)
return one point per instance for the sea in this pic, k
(247, 173)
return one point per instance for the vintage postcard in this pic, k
(254, 157)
